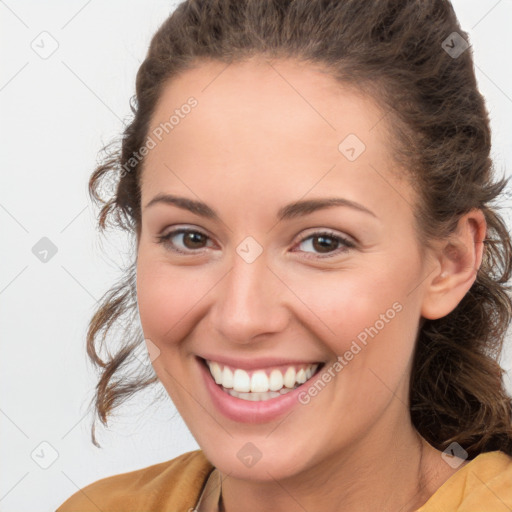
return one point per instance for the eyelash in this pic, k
(345, 243)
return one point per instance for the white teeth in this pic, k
(216, 372)
(259, 386)
(259, 382)
(289, 377)
(301, 376)
(241, 381)
(227, 378)
(254, 397)
(276, 380)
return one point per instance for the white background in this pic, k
(56, 114)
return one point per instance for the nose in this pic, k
(249, 303)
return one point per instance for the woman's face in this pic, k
(272, 277)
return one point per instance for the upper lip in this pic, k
(256, 363)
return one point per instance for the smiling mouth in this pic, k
(261, 384)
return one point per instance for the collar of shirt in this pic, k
(210, 499)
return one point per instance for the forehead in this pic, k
(259, 124)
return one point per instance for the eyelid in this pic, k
(176, 228)
(346, 243)
(183, 227)
(164, 238)
(327, 231)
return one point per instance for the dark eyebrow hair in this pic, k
(307, 206)
(191, 205)
(290, 211)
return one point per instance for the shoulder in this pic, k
(171, 485)
(484, 483)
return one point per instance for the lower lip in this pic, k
(246, 411)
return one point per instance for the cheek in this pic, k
(363, 315)
(167, 299)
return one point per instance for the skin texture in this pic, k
(265, 134)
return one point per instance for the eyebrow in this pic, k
(290, 211)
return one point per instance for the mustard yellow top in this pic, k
(482, 485)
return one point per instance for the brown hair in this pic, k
(391, 49)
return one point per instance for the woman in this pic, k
(320, 276)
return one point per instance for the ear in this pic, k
(457, 260)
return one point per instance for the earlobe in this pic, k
(457, 261)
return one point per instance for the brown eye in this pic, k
(324, 243)
(193, 240)
(184, 240)
(328, 244)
